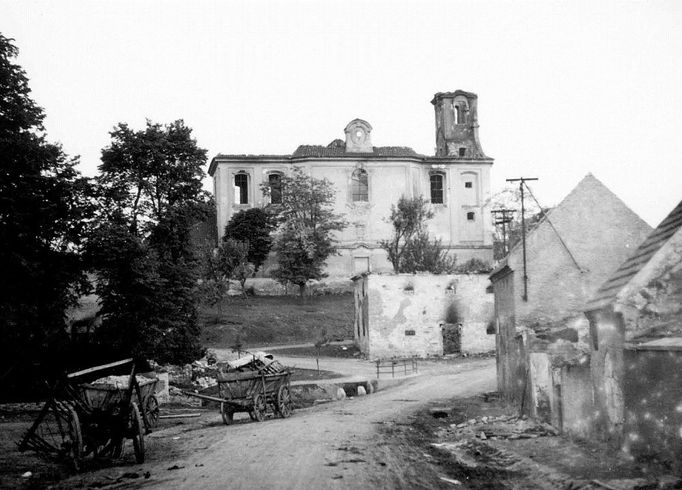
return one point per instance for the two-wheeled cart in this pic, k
(88, 415)
(255, 392)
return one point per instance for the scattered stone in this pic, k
(463, 424)
(175, 467)
(484, 420)
(28, 474)
(471, 421)
(340, 394)
(482, 435)
(450, 480)
(361, 391)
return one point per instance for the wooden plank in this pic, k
(98, 368)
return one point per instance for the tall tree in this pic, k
(252, 226)
(44, 209)
(305, 237)
(150, 196)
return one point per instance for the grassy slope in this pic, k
(259, 320)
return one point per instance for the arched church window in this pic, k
(241, 188)
(275, 183)
(359, 186)
(437, 186)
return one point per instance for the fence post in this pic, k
(378, 361)
(393, 369)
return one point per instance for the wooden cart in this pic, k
(256, 393)
(81, 418)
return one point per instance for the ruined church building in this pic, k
(369, 179)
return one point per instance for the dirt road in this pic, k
(336, 445)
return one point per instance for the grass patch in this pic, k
(263, 320)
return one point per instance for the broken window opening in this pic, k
(275, 183)
(471, 216)
(359, 186)
(462, 151)
(241, 187)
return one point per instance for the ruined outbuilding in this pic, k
(542, 334)
(636, 347)
(405, 315)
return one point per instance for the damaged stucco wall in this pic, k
(406, 313)
(652, 398)
(636, 358)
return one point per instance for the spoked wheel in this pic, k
(258, 408)
(227, 413)
(151, 410)
(57, 430)
(71, 432)
(137, 432)
(284, 404)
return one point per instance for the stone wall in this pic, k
(406, 313)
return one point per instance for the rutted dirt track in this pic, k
(335, 445)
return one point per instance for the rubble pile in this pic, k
(501, 427)
(259, 361)
(121, 382)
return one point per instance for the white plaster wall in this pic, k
(422, 303)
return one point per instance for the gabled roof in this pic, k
(590, 200)
(606, 294)
(318, 151)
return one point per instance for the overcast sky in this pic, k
(565, 88)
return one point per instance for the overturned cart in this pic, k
(256, 385)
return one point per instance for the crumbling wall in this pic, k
(652, 395)
(576, 400)
(406, 312)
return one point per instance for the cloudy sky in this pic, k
(565, 88)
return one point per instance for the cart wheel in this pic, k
(284, 405)
(137, 432)
(258, 407)
(252, 416)
(227, 413)
(152, 410)
(72, 437)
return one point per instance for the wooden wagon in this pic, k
(85, 417)
(254, 392)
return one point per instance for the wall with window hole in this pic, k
(403, 315)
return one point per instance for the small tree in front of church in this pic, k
(306, 226)
(410, 248)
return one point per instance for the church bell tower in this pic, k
(457, 125)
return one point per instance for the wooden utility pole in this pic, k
(522, 181)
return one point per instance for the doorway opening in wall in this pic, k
(452, 338)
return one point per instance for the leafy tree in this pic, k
(234, 261)
(213, 287)
(509, 198)
(408, 218)
(45, 207)
(253, 226)
(424, 255)
(150, 199)
(305, 238)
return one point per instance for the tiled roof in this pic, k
(244, 156)
(318, 151)
(607, 293)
